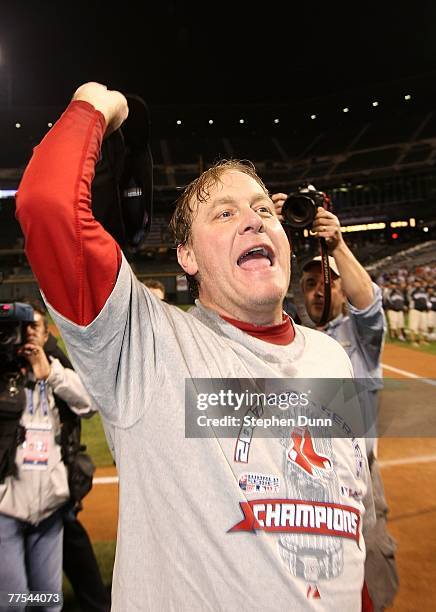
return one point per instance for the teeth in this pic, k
(260, 250)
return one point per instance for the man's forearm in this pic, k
(74, 259)
(355, 280)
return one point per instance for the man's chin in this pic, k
(265, 298)
(315, 313)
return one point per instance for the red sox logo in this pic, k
(303, 453)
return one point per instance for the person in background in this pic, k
(432, 312)
(356, 320)
(418, 313)
(33, 500)
(155, 287)
(395, 304)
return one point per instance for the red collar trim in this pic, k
(282, 333)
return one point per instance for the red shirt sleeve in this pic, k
(74, 259)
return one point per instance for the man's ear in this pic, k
(187, 260)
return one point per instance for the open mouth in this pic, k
(256, 258)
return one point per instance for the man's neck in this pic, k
(271, 316)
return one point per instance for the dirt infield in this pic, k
(409, 472)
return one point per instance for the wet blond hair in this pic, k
(196, 193)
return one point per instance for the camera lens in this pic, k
(299, 210)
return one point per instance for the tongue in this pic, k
(255, 262)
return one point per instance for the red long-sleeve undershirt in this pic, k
(74, 259)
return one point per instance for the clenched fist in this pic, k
(112, 104)
(36, 357)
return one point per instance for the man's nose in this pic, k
(320, 289)
(250, 221)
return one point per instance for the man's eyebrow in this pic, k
(229, 200)
(262, 196)
(223, 200)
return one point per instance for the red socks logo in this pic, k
(312, 592)
(304, 455)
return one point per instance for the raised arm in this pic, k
(355, 280)
(74, 259)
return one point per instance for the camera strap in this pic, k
(294, 239)
(327, 280)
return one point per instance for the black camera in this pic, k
(14, 316)
(299, 208)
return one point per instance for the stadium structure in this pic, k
(373, 153)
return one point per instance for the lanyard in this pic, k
(42, 395)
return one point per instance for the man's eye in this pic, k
(264, 210)
(225, 214)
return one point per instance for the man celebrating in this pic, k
(190, 508)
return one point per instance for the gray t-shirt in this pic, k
(180, 497)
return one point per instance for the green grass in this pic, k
(185, 306)
(430, 348)
(94, 437)
(105, 554)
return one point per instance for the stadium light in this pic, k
(363, 227)
(18, 125)
(241, 121)
(49, 124)
(313, 116)
(276, 120)
(375, 103)
(407, 97)
(345, 110)
(7, 193)
(179, 122)
(210, 121)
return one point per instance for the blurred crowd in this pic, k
(409, 300)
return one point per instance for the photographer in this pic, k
(356, 320)
(32, 500)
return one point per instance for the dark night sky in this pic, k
(213, 52)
